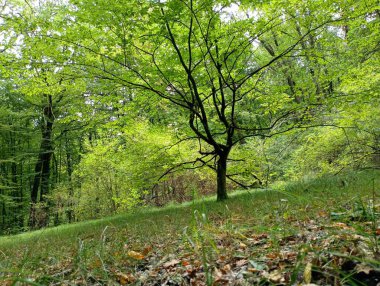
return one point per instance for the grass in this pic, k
(255, 226)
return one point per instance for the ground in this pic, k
(314, 232)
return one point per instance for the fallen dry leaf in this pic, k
(226, 268)
(272, 255)
(323, 213)
(185, 263)
(253, 270)
(171, 263)
(125, 279)
(241, 262)
(341, 225)
(275, 276)
(363, 268)
(307, 273)
(197, 263)
(217, 274)
(220, 281)
(242, 245)
(136, 255)
(260, 236)
(153, 273)
(147, 250)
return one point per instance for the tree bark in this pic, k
(47, 155)
(42, 168)
(69, 166)
(221, 173)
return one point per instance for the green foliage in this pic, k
(119, 172)
(128, 80)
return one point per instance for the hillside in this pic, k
(322, 231)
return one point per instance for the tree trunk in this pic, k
(42, 169)
(34, 192)
(221, 173)
(47, 155)
(69, 167)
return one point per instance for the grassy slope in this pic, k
(98, 252)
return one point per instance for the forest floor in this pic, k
(315, 232)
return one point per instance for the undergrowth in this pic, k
(323, 230)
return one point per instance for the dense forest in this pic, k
(109, 106)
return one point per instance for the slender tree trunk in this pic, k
(221, 173)
(21, 196)
(47, 156)
(36, 181)
(69, 166)
(3, 215)
(376, 150)
(16, 210)
(42, 168)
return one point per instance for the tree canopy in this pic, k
(146, 99)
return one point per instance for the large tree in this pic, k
(211, 59)
(49, 97)
(233, 69)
